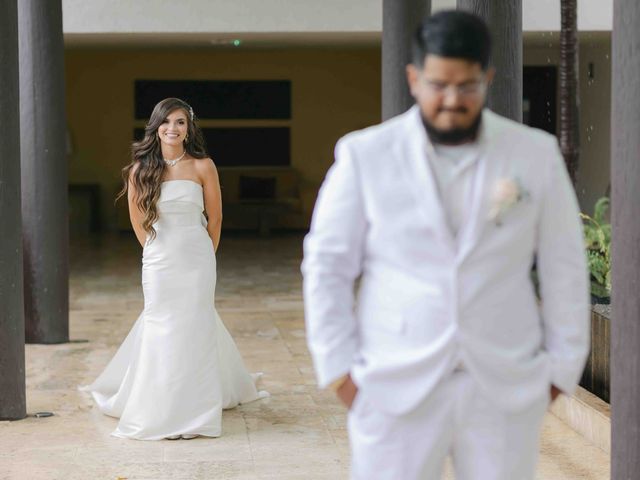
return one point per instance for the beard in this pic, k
(453, 136)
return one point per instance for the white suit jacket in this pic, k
(426, 300)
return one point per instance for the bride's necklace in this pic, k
(171, 163)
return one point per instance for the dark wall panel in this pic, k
(218, 99)
(243, 147)
(540, 92)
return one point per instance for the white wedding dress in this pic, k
(178, 367)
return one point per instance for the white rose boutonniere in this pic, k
(507, 192)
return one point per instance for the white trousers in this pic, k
(484, 443)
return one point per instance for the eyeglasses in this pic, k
(469, 89)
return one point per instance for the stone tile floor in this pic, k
(298, 433)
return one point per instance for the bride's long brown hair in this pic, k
(148, 163)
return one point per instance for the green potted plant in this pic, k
(597, 236)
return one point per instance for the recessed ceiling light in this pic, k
(223, 41)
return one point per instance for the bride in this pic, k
(178, 367)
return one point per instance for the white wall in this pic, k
(277, 16)
(544, 15)
(170, 16)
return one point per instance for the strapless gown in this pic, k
(178, 367)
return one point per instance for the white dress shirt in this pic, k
(454, 169)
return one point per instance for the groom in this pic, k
(441, 212)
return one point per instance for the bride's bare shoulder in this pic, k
(206, 168)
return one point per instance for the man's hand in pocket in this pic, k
(347, 392)
(555, 392)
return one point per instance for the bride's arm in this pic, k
(135, 214)
(212, 198)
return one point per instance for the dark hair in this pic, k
(148, 163)
(453, 34)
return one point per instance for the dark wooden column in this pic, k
(569, 136)
(44, 171)
(625, 175)
(400, 18)
(12, 384)
(505, 22)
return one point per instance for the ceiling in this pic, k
(222, 40)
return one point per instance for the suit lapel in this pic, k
(488, 171)
(469, 232)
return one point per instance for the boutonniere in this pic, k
(507, 193)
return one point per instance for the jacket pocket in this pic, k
(388, 309)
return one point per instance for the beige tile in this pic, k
(208, 450)
(171, 471)
(125, 452)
